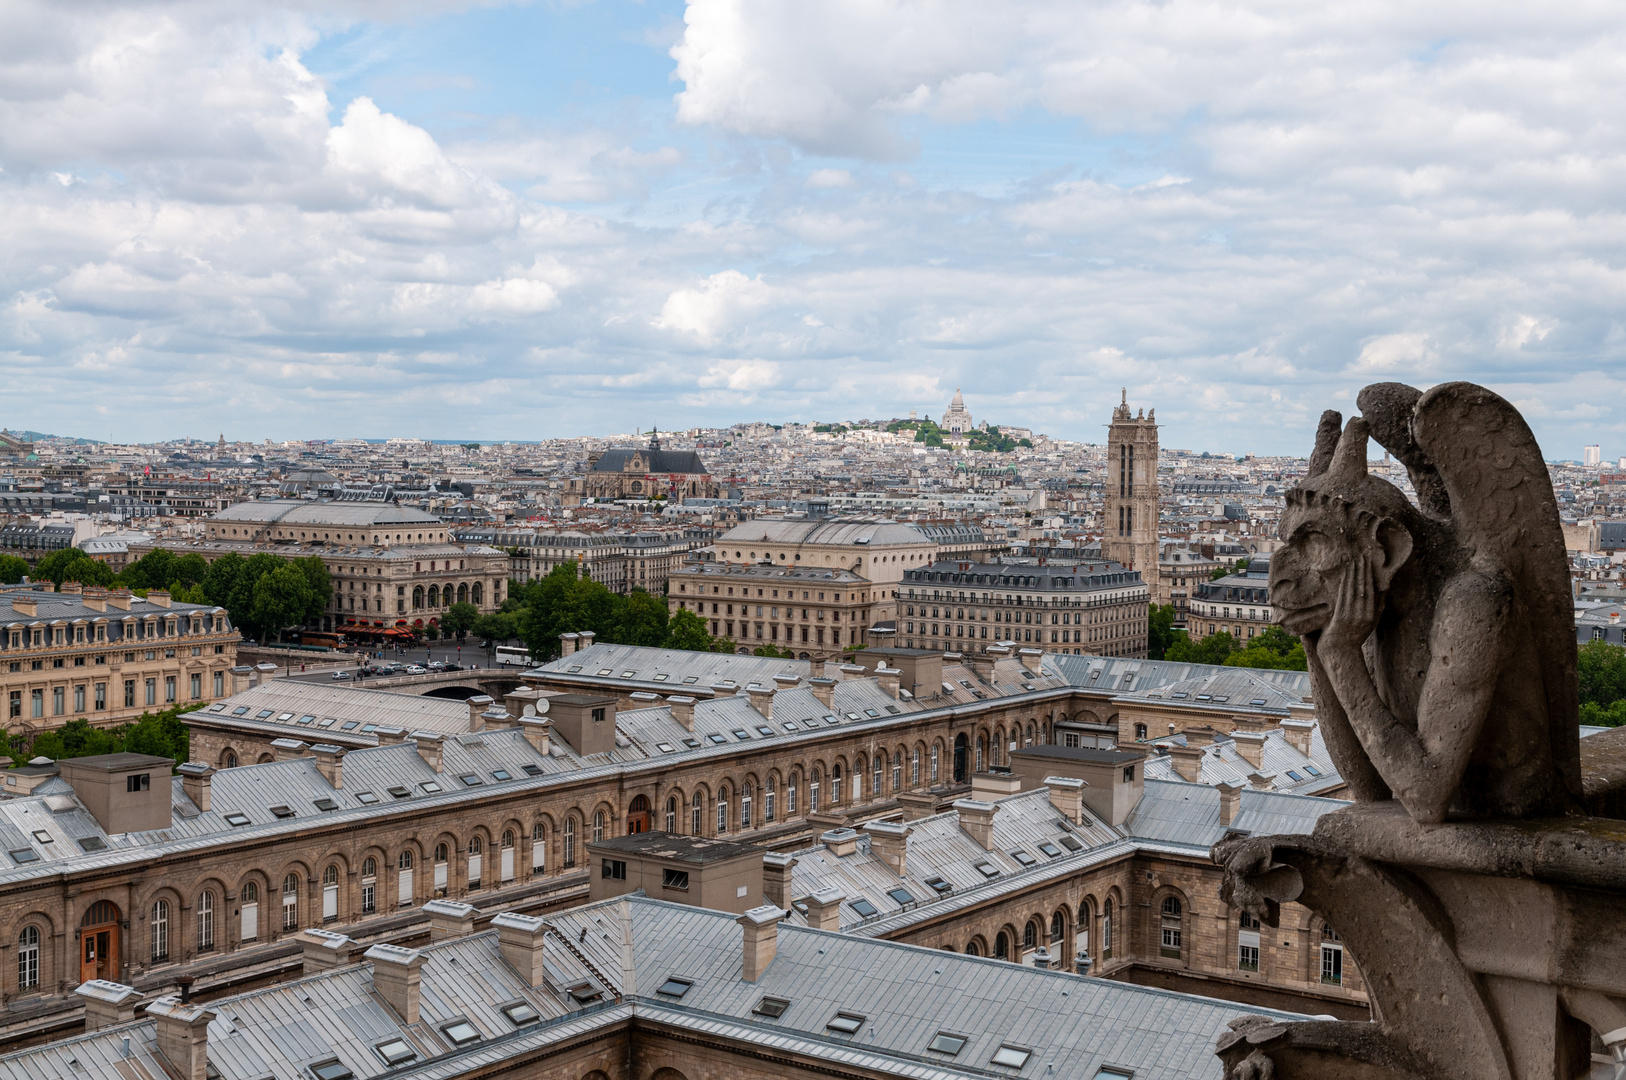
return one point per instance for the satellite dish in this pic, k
(530, 710)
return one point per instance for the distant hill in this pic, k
(40, 436)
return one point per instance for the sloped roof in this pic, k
(654, 461)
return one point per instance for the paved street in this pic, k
(469, 656)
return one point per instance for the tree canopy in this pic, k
(1602, 670)
(564, 602)
(161, 734)
(12, 569)
(1274, 648)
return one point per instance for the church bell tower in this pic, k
(1129, 522)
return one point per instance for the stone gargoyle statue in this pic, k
(1441, 646)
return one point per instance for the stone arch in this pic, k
(1170, 915)
(265, 758)
(228, 758)
(666, 1073)
(462, 592)
(977, 946)
(417, 598)
(44, 973)
(477, 594)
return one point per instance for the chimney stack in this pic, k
(519, 939)
(1251, 745)
(25, 604)
(726, 688)
(761, 699)
(94, 597)
(430, 747)
(851, 671)
(1200, 736)
(322, 950)
(330, 763)
(917, 804)
(682, 707)
(1298, 734)
(107, 1003)
(267, 670)
(889, 842)
(449, 919)
(71, 588)
(288, 749)
(890, 680)
(1067, 796)
(761, 925)
(183, 1036)
(567, 645)
(584, 640)
(389, 736)
(776, 877)
(991, 787)
(977, 819)
(824, 690)
(159, 597)
(396, 977)
(840, 842)
(824, 909)
(478, 704)
(1187, 760)
(116, 598)
(1230, 802)
(537, 730)
(496, 718)
(786, 682)
(195, 783)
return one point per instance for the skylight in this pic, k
(1293, 775)
(572, 670)
(285, 717)
(25, 855)
(987, 869)
(946, 1043)
(532, 769)
(235, 820)
(940, 885)
(366, 798)
(871, 712)
(306, 719)
(461, 1033)
(350, 725)
(716, 738)
(331, 1070)
(628, 674)
(399, 792)
(262, 714)
(666, 748)
(501, 774)
(864, 908)
(43, 837)
(1024, 858)
(471, 779)
(605, 671)
(1258, 701)
(325, 804)
(218, 708)
(1050, 849)
(92, 843)
(741, 734)
(902, 896)
(691, 678)
(675, 987)
(660, 677)
(396, 1052)
(771, 1007)
(1071, 843)
(845, 1022)
(1014, 1056)
(893, 709)
(585, 993)
(519, 1014)
(692, 743)
(1312, 770)
(430, 786)
(763, 730)
(240, 710)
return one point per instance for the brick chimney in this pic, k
(519, 939)
(1298, 734)
(761, 938)
(478, 704)
(786, 682)
(1230, 802)
(94, 597)
(991, 787)
(107, 1003)
(158, 597)
(1067, 796)
(396, 978)
(1200, 736)
(25, 604)
(824, 909)
(889, 842)
(917, 804)
(322, 950)
(890, 680)
(725, 689)
(288, 749)
(1251, 745)
(183, 1036)
(840, 842)
(330, 763)
(389, 736)
(71, 588)
(449, 919)
(761, 699)
(538, 731)
(977, 819)
(682, 707)
(824, 690)
(1187, 760)
(430, 745)
(195, 782)
(1262, 781)
(567, 645)
(776, 877)
(584, 640)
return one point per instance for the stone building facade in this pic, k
(1129, 515)
(1236, 604)
(644, 473)
(107, 656)
(813, 614)
(620, 560)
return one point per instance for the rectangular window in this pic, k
(101, 697)
(675, 879)
(614, 870)
(59, 700)
(197, 686)
(1332, 964)
(220, 684)
(152, 691)
(1247, 958)
(138, 782)
(15, 710)
(169, 689)
(37, 703)
(79, 698)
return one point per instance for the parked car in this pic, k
(414, 669)
(437, 665)
(451, 666)
(341, 674)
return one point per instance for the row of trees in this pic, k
(1602, 669)
(161, 734)
(264, 594)
(1274, 648)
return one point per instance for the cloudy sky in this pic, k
(497, 221)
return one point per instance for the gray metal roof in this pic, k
(1189, 814)
(323, 512)
(314, 711)
(1124, 674)
(877, 533)
(1286, 767)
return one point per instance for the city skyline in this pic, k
(487, 221)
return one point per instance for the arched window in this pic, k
(1030, 935)
(934, 763)
(858, 779)
(28, 958)
(790, 796)
(290, 902)
(539, 848)
(1002, 946)
(722, 811)
(160, 931)
(813, 791)
(598, 826)
(671, 814)
(877, 783)
(982, 746)
(441, 853)
(897, 770)
(251, 893)
(369, 867)
(835, 785)
(570, 842)
(914, 767)
(1171, 926)
(230, 760)
(206, 921)
(462, 594)
(1106, 930)
(746, 793)
(768, 802)
(972, 949)
(476, 594)
(434, 596)
(369, 885)
(697, 818)
(1086, 920)
(417, 597)
(1058, 929)
(405, 861)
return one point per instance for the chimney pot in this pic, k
(396, 978)
(776, 877)
(449, 919)
(977, 819)
(519, 939)
(824, 909)
(761, 939)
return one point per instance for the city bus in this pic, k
(514, 656)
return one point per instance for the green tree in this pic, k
(154, 570)
(72, 564)
(773, 651)
(161, 734)
(1603, 715)
(281, 599)
(1160, 630)
(643, 620)
(220, 581)
(687, 631)
(12, 569)
(318, 583)
(1602, 671)
(460, 619)
(498, 628)
(1213, 649)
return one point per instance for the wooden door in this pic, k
(99, 953)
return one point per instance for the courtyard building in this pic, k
(1236, 604)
